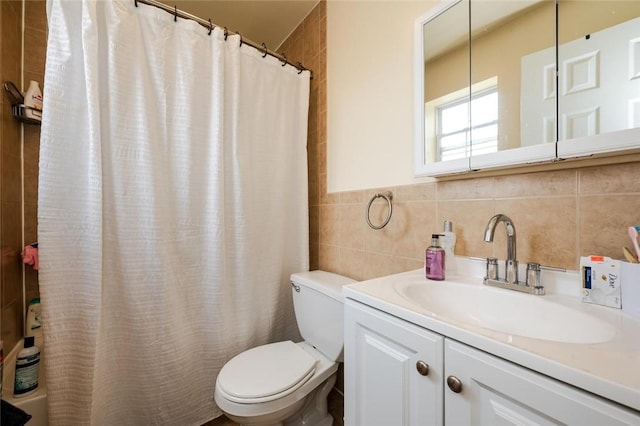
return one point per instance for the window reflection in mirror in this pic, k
(446, 84)
(599, 67)
(453, 132)
(503, 34)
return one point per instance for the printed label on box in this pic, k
(601, 281)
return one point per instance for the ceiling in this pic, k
(261, 21)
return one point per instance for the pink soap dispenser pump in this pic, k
(434, 263)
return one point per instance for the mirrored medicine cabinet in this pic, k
(504, 83)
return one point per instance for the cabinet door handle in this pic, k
(454, 384)
(423, 368)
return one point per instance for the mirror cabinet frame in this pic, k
(613, 143)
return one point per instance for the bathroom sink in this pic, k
(506, 311)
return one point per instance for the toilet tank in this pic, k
(319, 308)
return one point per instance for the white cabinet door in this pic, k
(382, 383)
(497, 392)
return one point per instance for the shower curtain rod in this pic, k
(210, 26)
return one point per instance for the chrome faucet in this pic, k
(510, 264)
(532, 284)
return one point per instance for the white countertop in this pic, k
(610, 369)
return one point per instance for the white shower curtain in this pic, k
(172, 210)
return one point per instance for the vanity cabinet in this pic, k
(497, 392)
(393, 370)
(463, 385)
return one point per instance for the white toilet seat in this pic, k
(266, 373)
(291, 402)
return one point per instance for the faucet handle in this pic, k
(511, 272)
(533, 275)
(492, 268)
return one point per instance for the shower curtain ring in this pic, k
(239, 35)
(226, 33)
(300, 67)
(135, 2)
(175, 13)
(284, 61)
(210, 26)
(264, 50)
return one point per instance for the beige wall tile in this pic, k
(35, 50)
(12, 324)
(351, 226)
(314, 189)
(10, 42)
(328, 215)
(468, 189)
(353, 263)
(35, 14)
(545, 228)
(416, 221)
(418, 192)
(322, 159)
(378, 265)
(312, 128)
(314, 256)
(30, 222)
(321, 72)
(312, 153)
(329, 258)
(379, 240)
(402, 264)
(11, 275)
(561, 182)
(11, 174)
(616, 178)
(30, 161)
(322, 101)
(311, 33)
(603, 224)
(314, 224)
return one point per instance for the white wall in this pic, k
(370, 93)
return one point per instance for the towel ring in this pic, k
(388, 196)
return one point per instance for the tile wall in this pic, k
(17, 158)
(559, 216)
(35, 45)
(10, 177)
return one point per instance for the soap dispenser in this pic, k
(448, 241)
(435, 258)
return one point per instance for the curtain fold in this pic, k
(172, 210)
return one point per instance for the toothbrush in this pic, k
(628, 254)
(633, 234)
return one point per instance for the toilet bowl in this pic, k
(286, 383)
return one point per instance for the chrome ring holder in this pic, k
(388, 196)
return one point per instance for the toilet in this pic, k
(287, 383)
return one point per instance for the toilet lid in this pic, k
(266, 370)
